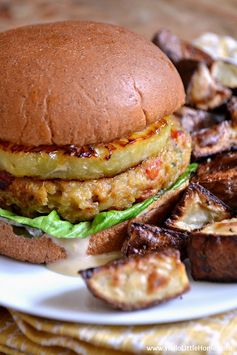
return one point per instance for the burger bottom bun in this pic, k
(34, 250)
(44, 250)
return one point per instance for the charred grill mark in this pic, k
(80, 152)
(87, 151)
(72, 150)
(135, 137)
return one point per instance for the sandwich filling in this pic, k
(76, 200)
(85, 162)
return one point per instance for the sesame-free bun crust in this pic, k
(34, 250)
(81, 83)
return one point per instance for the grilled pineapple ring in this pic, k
(88, 162)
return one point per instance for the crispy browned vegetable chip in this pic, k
(193, 120)
(213, 252)
(216, 139)
(232, 109)
(177, 49)
(219, 175)
(197, 208)
(202, 90)
(225, 73)
(145, 238)
(139, 281)
(206, 81)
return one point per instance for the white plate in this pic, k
(36, 290)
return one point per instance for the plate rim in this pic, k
(120, 318)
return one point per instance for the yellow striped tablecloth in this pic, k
(23, 334)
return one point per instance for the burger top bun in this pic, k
(81, 83)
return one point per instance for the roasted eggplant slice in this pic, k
(206, 81)
(232, 108)
(209, 141)
(145, 238)
(203, 91)
(219, 175)
(213, 252)
(187, 69)
(225, 73)
(193, 120)
(226, 227)
(197, 208)
(177, 49)
(139, 281)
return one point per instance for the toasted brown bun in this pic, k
(34, 250)
(44, 250)
(81, 83)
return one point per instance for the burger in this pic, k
(87, 138)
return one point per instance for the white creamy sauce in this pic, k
(77, 258)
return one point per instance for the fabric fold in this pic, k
(24, 334)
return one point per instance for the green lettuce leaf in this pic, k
(53, 225)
